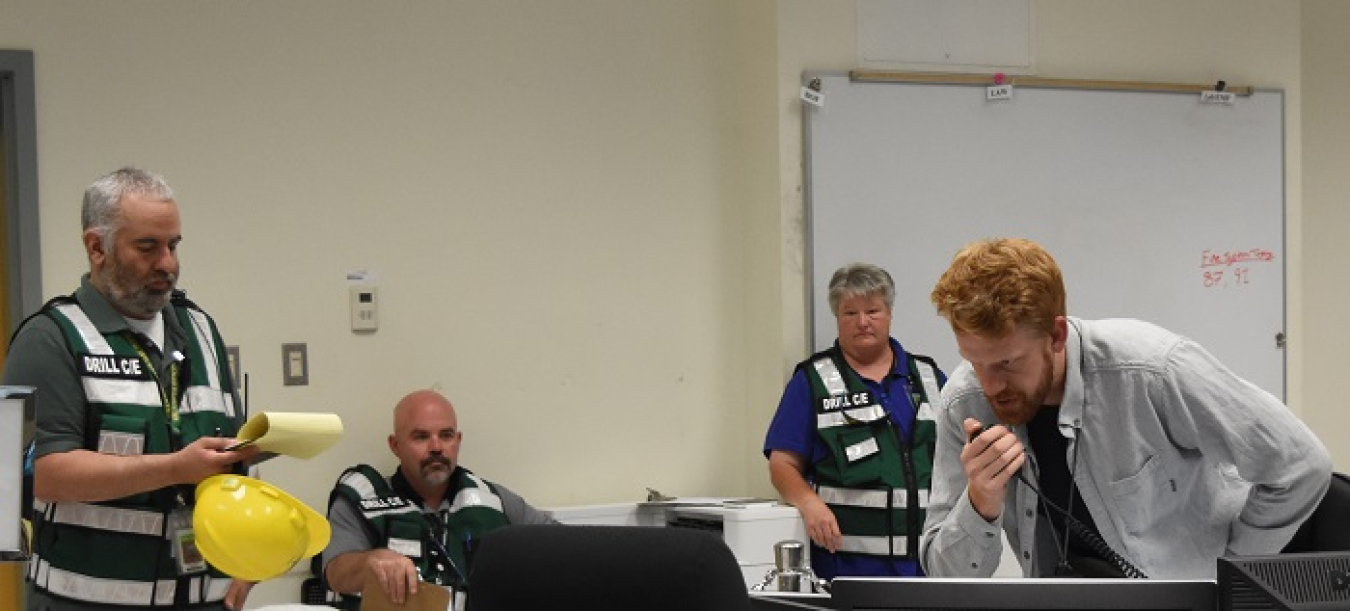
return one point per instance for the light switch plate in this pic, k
(294, 364)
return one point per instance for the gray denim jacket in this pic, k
(1179, 461)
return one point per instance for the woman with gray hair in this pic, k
(851, 444)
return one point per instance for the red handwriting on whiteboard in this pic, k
(1209, 258)
(1231, 268)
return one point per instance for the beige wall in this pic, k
(544, 191)
(584, 217)
(1321, 305)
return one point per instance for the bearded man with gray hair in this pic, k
(134, 403)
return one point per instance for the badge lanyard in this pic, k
(183, 540)
(170, 402)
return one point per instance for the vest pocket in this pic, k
(122, 435)
(408, 537)
(857, 454)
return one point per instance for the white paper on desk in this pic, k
(697, 501)
(298, 434)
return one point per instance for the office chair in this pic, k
(604, 568)
(1324, 530)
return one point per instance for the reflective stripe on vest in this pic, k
(876, 546)
(928, 376)
(482, 496)
(359, 483)
(204, 399)
(207, 345)
(869, 413)
(407, 547)
(103, 517)
(85, 327)
(121, 592)
(830, 376)
(211, 397)
(121, 444)
(876, 499)
(862, 449)
(137, 392)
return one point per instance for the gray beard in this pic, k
(136, 302)
(436, 478)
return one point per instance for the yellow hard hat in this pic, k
(253, 530)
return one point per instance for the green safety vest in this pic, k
(394, 519)
(876, 482)
(119, 552)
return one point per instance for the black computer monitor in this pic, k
(1311, 580)
(927, 593)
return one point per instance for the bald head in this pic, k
(420, 401)
(426, 441)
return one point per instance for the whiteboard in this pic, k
(1156, 206)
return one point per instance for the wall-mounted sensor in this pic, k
(365, 316)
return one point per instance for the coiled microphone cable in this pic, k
(1076, 527)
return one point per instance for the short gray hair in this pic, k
(861, 280)
(101, 211)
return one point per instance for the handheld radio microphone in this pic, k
(1076, 527)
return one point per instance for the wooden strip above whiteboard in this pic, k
(868, 76)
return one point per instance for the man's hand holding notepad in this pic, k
(297, 434)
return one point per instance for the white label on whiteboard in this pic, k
(1218, 97)
(998, 92)
(813, 97)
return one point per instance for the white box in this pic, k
(750, 532)
(615, 514)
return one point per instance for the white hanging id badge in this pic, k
(184, 543)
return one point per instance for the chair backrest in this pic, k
(603, 568)
(1325, 530)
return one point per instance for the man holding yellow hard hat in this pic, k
(134, 406)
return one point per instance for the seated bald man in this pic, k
(419, 523)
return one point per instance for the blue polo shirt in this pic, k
(794, 429)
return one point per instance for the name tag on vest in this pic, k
(846, 401)
(112, 366)
(388, 502)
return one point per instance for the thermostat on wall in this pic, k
(363, 303)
